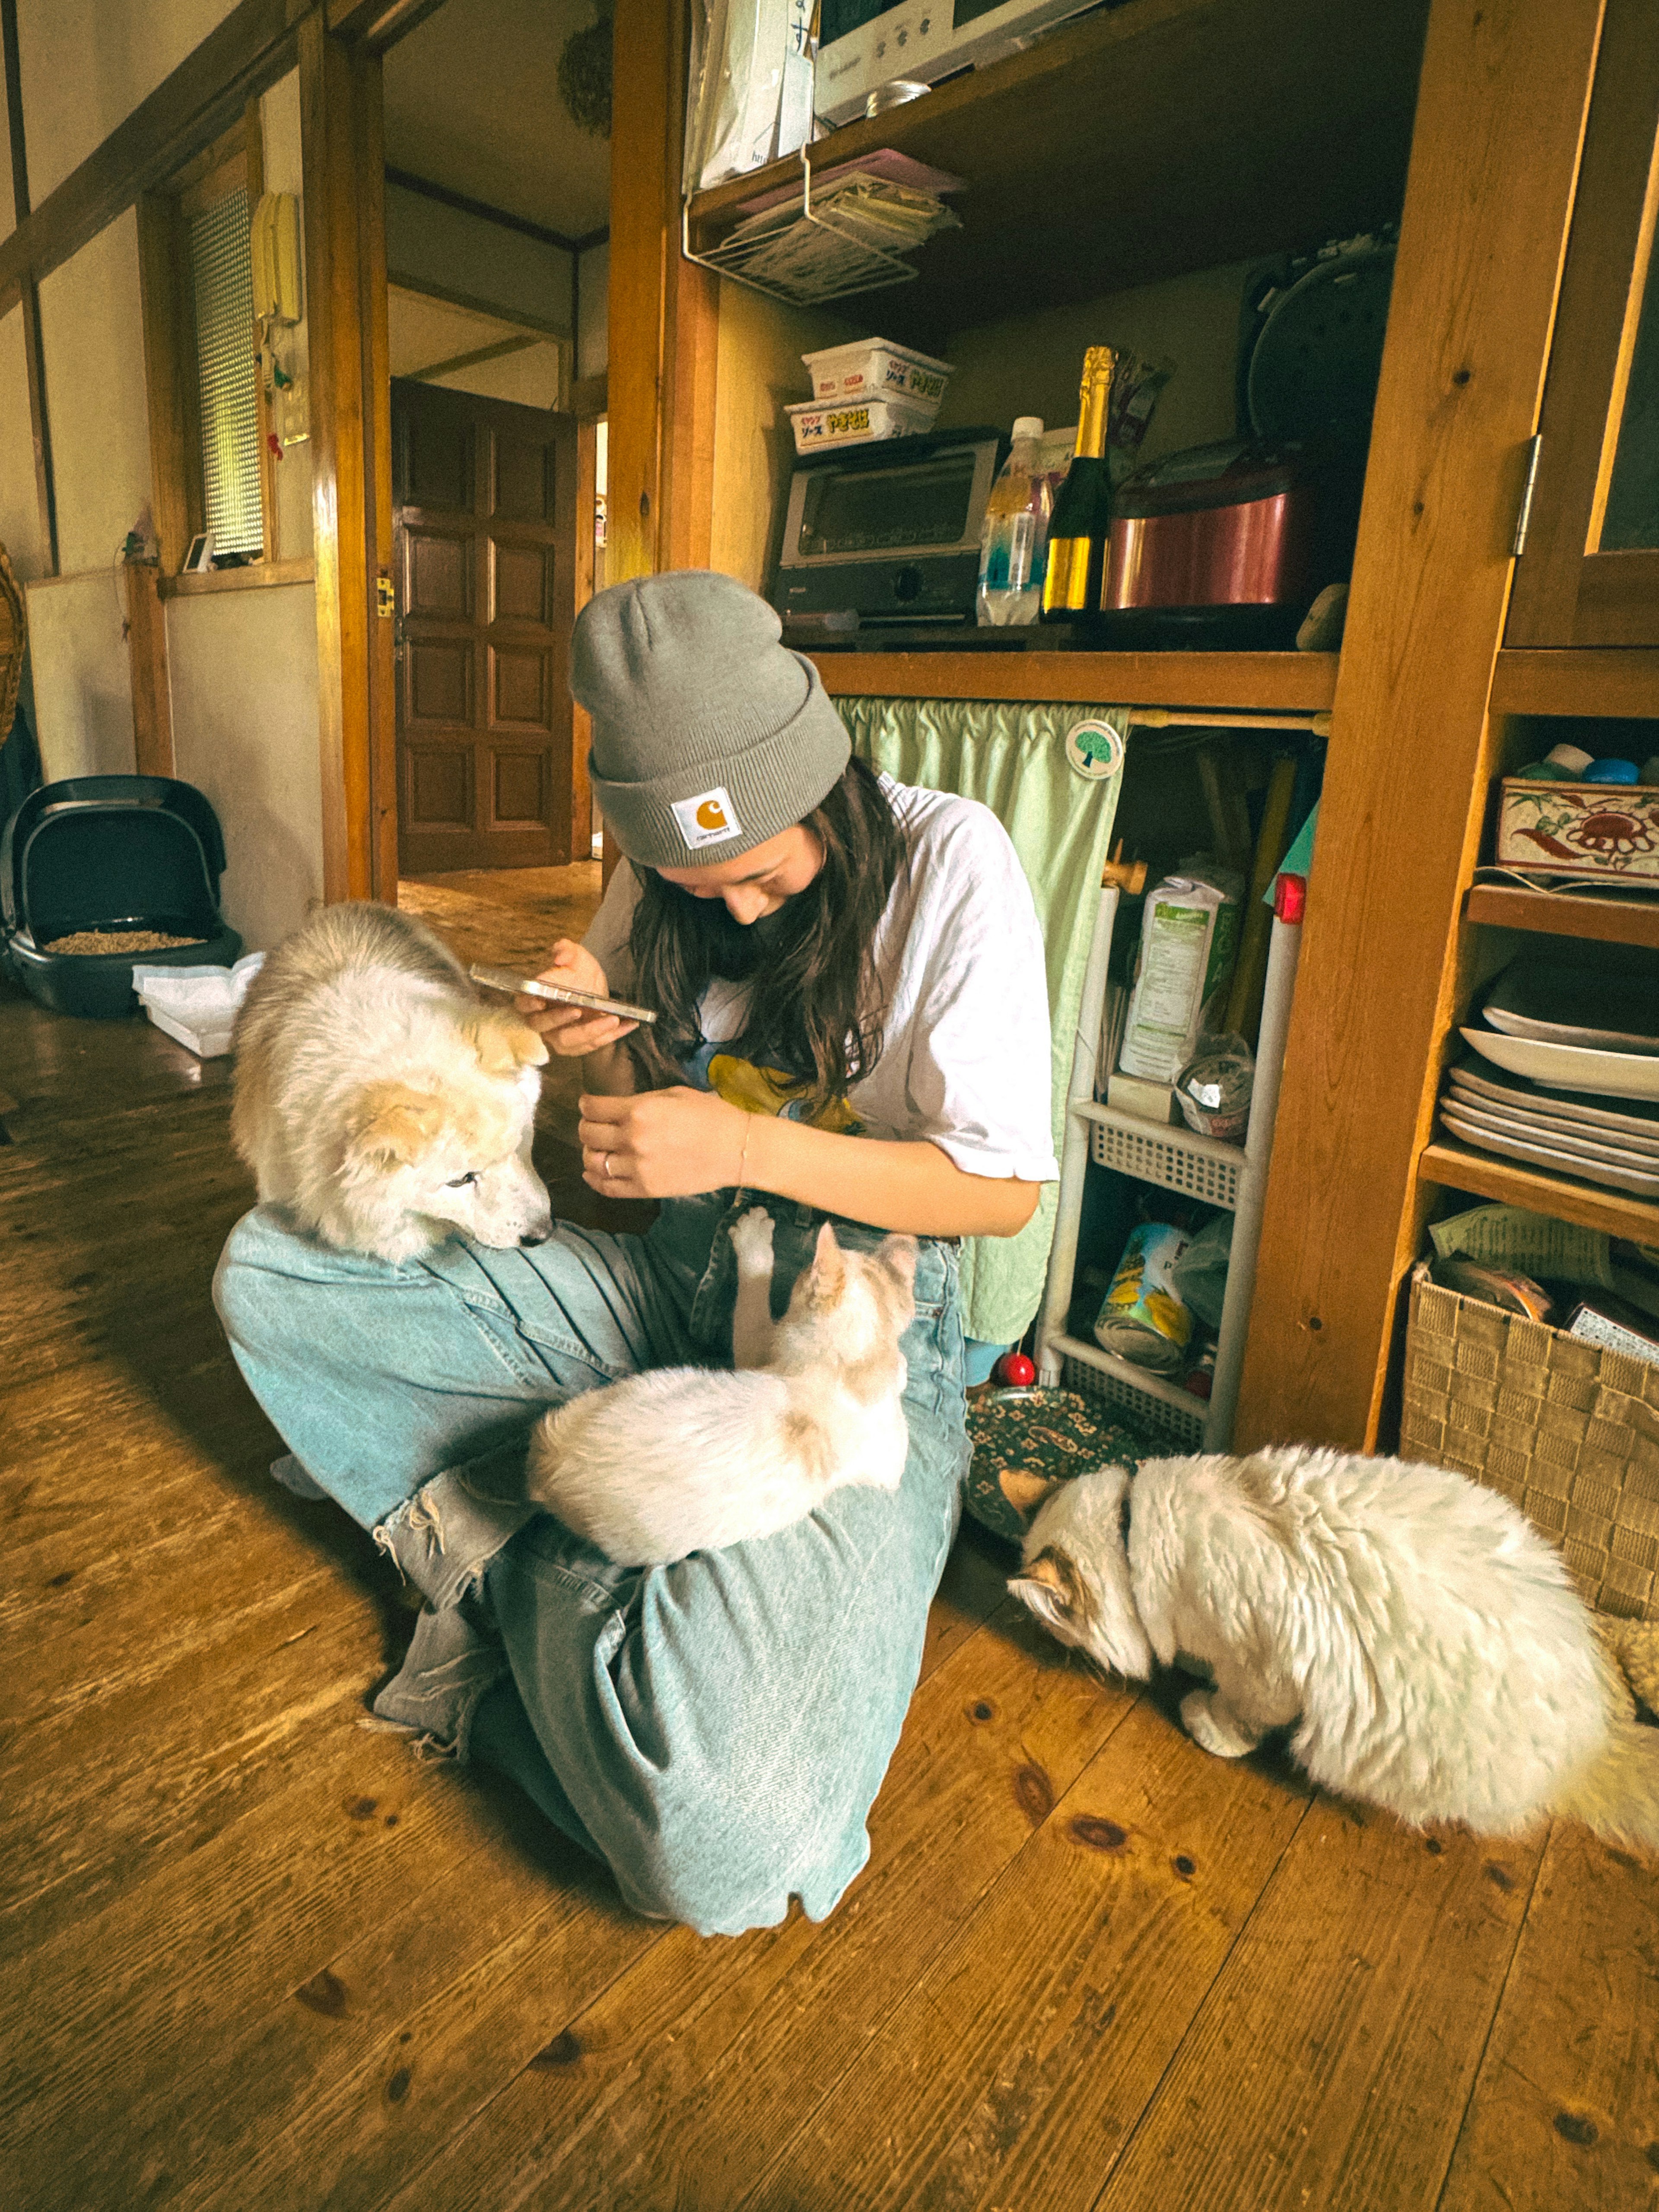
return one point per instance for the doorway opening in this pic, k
(497, 214)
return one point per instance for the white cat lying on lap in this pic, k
(1423, 1636)
(692, 1459)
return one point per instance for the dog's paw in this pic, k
(1212, 1727)
(751, 1242)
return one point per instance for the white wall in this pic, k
(86, 65)
(1032, 364)
(593, 310)
(481, 260)
(91, 335)
(758, 373)
(244, 666)
(82, 676)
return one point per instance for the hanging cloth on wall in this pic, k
(1053, 783)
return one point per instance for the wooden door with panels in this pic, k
(484, 501)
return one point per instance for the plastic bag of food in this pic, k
(1198, 1276)
(1188, 936)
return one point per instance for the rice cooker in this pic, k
(1227, 545)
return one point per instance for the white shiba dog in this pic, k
(690, 1459)
(377, 1101)
(1423, 1638)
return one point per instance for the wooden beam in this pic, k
(20, 167)
(499, 351)
(34, 359)
(253, 155)
(1500, 122)
(402, 281)
(377, 24)
(350, 444)
(28, 294)
(170, 379)
(1594, 680)
(147, 653)
(483, 211)
(590, 397)
(377, 551)
(244, 55)
(664, 314)
(581, 724)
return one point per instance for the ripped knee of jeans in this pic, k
(443, 1538)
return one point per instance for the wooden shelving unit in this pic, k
(1458, 1167)
(1140, 143)
(1610, 680)
(1128, 148)
(1265, 683)
(1567, 914)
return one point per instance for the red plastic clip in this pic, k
(1290, 897)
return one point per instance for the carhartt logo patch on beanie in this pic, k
(709, 735)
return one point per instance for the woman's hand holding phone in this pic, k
(574, 1031)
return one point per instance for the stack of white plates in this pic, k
(1571, 1081)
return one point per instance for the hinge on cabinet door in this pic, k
(1518, 543)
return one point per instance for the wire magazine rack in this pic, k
(852, 263)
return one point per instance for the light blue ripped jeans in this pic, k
(715, 1730)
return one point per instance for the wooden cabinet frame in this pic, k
(1567, 591)
(1500, 123)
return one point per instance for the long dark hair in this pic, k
(816, 1004)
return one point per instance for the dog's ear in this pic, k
(394, 1125)
(503, 1043)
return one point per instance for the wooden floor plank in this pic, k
(358, 2046)
(1565, 2112)
(1021, 2061)
(706, 2057)
(147, 1991)
(1331, 2063)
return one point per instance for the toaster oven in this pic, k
(887, 531)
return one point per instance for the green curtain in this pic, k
(1013, 757)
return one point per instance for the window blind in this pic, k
(223, 276)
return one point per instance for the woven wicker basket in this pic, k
(1569, 1430)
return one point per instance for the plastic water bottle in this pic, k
(1013, 548)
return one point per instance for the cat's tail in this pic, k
(1617, 1795)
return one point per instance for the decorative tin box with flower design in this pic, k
(1584, 829)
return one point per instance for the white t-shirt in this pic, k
(965, 1051)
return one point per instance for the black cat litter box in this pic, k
(110, 852)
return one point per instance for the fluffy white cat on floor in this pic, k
(1423, 1638)
(691, 1459)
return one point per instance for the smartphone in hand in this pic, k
(503, 979)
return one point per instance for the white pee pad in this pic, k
(197, 1006)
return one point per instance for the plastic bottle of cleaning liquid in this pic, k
(1013, 547)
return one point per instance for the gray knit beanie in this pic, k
(709, 736)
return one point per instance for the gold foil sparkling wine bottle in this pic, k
(1083, 506)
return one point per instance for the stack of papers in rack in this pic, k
(864, 224)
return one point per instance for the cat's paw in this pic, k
(1213, 1727)
(751, 1242)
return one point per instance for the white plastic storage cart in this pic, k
(1230, 1176)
